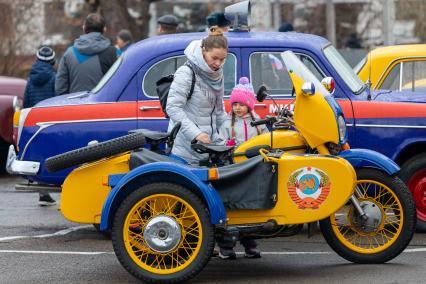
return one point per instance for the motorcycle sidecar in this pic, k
(163, 214)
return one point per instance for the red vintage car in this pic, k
(11, 95)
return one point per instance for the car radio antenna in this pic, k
(370, 8)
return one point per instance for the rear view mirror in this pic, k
(308, 89)
(261, 94)
(329, 84)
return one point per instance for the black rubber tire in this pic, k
(409, 210)
(408, 169)
(3, 157)
(95, 152)
(207, 245)
(106, 234)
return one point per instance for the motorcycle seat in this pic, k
(151, 135)
(145, 156)
(202, 148)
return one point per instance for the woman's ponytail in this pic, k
(215, 39)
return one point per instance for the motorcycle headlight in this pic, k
(342, 128)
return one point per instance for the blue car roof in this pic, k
(159, 45)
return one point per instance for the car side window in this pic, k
(414, 76)
(170, 65)
(268, 68)
(392, 79)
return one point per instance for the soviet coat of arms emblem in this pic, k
(308, 187)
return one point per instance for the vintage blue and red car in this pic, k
(125, 99)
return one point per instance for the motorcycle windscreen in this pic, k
(313, 115)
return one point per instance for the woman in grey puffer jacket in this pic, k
(204, 113)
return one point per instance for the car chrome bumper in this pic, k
(14, 166)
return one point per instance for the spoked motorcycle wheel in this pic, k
(389, 225)
(162, 234)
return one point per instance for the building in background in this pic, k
(28, 24)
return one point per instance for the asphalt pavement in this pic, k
(37, 245)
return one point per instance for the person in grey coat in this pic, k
(204, 113)
(85, 63)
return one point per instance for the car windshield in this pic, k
(108, 75)
(343, 69)
(360, 64)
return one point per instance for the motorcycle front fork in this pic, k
(322, 149)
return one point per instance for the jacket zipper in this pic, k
(211, 119)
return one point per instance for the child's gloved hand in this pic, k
(231, 142)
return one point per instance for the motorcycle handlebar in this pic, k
(267, 120)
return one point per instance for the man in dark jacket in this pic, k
(84, 64)
(41, 86)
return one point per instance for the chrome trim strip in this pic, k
(89, 103)
(22, 117)
(32, 138)
(392, 126)
(148, 118)
(14, 166)
(84, 120)
(149, 107)
(98, 120)
(401, 72)
(82, 95)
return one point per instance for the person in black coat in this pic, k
(41, 86)
(41, 82)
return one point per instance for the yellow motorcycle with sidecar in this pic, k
(165, 215)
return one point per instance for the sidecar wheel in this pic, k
(162, 233)
(387, 231)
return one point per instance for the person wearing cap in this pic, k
(87, 60)
(218, 19)
(124, 39)
(41, 82)
(41, 86)
(286, 27)
(167, 24)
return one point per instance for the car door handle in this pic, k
(149, 107)
(260, 105)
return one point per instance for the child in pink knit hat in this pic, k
(236, 130)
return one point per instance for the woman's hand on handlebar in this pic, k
(203, 138)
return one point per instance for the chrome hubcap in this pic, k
(162, 234)
(374, 217)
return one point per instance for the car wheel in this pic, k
(413, 173)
